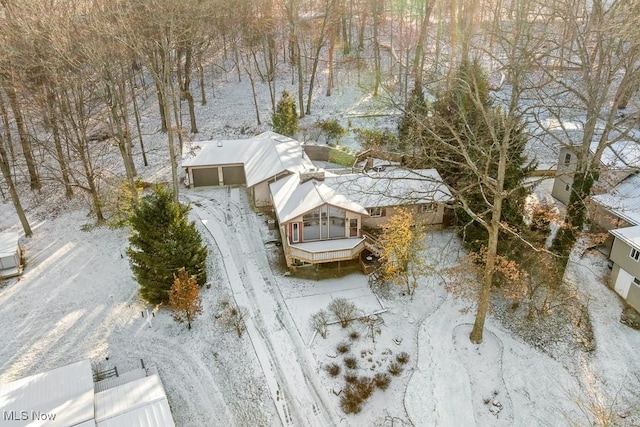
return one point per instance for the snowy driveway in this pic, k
(286, 362)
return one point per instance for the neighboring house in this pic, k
(68, 396)
(253, 162)
(619, 207)
(321, 216)
(10, 255)
(618, 161)
(625, 272)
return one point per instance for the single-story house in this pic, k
(10, 254)
(253, 162)
(625, 272)
(321, 216)
(619, 207)
(68, 396)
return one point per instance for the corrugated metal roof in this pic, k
(623, 200)
(156, 414)
(65, 393)
(127, 397)
(263, 156)
(8, 243)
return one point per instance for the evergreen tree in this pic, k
(463, 127)
(162, 241)
(285, 118)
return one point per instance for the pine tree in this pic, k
(285, 118)
(162, 241)
(184, 297)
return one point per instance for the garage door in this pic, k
(233, 175)
(205, 177)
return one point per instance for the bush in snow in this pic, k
(394, 369)
(344, 310)
(402, 357)
(332, 369)
(319, 322)
(351, 362)
(343, 347)
(233, 317)
(382, 380)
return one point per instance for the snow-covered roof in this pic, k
(8, 243)
(291, 198)
(356, 192)
(263, 156)
(630, 235)
(142, 403)
(65, 393)
(392, 187)
(623, 200)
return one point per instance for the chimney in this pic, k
(311, 173)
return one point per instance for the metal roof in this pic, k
(623, 200)
(65, 393)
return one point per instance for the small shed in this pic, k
(10, 254)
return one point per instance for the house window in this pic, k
(635, 254)
(295, 232)
(636, 281)
(376, 212)
(567, 159)
(428, 208)
(337, 222)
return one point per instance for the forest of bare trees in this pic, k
(74, 73)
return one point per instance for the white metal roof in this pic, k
(8, 243)
(155, 414)
(392, 187)
(263, 156)
(134, 399)
(292, 198)
(65, 392)
(623, 200)
(630, 235)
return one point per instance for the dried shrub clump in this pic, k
(332, 369)
(351, 362)
(354, 335)
(394, 369)
(382, 380)
(343, 347)
(355, 394)
(402, 358)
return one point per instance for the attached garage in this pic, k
(233, 175)
(204, 177)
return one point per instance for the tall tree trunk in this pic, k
(186, 87)
(24, 137)
(6, 173)
(377, 67)
(57, 141)
(136, 114)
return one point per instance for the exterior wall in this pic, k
(603, 220)
(633, 298)
(261, 194)
(620, 256)
(349, 215)
(433, 218)
(564, 175)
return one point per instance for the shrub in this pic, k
(343, 347)
(285, 118)
(402, 358)
(364, 387)
(369, 138)
(350, 402)
(394, 369)
(332, 129)
(351, 362)
(382, 380)
(344, 310)
(319, 322)
(354, 335)
(350, 378)
(332, 369)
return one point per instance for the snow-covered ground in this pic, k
(77, 299)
